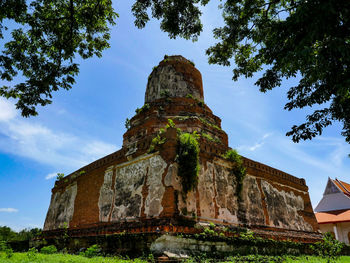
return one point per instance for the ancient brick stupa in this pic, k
(139, 189)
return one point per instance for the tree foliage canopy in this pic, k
(309, 40)
(7, 234)
(45, 37)
(284, 39)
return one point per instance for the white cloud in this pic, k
(58, 149)
(324, 154)
(7, 110)
(266, 135)
(50, 176)
(9, 210)
(340, 149)
(257, 145)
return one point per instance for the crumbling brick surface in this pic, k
(139, 192)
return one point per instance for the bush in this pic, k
(188, 160)
(59, 176)
(329, 248)
(5, 248)
(32, 253)
(145, 107)
(257, 259)
(127, 124)
(92, 251)
(48, 250)
(9, 252)
(156, 141)
(3, 245)
(238, 169)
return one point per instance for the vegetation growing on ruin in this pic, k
(170, 124)
(160, 139)
(208, 137)
(200, 103)
(165, 93)
(166, 58)
(127, 124)
(238, 169)
(187, 155)
(188, 160)
(204, 121)
(143, 108)
(59, 176)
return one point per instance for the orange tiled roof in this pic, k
(333, 216)
(344, 187)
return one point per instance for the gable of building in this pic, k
(335, 197)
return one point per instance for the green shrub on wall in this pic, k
(188, 160)
(145, 107)
(156, 141)
(238, 169)
(160, 139)
(187, 155)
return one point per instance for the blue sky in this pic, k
(87, 122)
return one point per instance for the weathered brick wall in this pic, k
(175, 76)
(132, 189)
(148, 186)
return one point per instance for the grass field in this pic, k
(66, 258)
(60, 258)
(313, 259)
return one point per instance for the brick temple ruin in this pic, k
(137, 192)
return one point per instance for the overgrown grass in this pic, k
(67, 258)
(314, 259)
(61, 258)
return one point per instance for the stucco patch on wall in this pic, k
(206, 191)
(283, 208)
(106, 195)
(226, 197)
(156, 189)
(171, 178)
(61, 208)
(187, 205)
(253, 203)
(129, 181)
